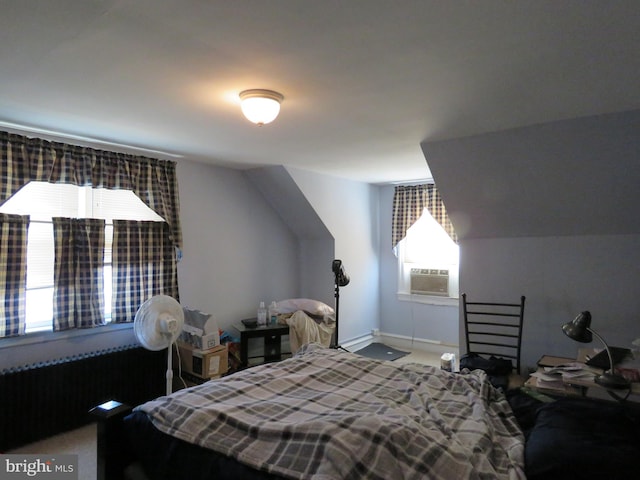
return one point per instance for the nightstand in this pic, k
(271, 344)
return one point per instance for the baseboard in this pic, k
(401, 342)
(423, 344)
(357, 343)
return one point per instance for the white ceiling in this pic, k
(365, 81)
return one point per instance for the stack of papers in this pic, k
(573, 370)
(558, 376)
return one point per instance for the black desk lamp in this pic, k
(579, 329)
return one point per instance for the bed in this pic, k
(330, 414)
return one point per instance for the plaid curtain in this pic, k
(13, 273)
(408, 204)
(78, 283)
(144, 265)
(154, 181)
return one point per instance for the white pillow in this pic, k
(312, 307)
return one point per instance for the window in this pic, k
(43, 201)
(427, 246)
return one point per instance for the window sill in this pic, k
(43, 337)
(429, 299)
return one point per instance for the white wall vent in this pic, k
(430, 281)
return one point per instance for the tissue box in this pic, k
(448, 362)
(200, 331)
(204, 364)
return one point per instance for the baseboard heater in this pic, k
(44, 399)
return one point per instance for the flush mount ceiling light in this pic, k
(260, 106)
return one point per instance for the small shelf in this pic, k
(271, 346)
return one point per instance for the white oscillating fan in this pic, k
(157, 325)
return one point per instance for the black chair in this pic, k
(494, 329)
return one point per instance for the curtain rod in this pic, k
(81, 138)
(413, 182)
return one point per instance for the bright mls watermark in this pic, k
(52, 467)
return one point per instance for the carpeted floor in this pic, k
(81, 442)
(380, 351)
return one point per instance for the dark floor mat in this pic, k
(380, 351)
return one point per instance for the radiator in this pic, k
(44, 399)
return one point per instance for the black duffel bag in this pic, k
(493, 366)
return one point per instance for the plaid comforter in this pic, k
(327, 414)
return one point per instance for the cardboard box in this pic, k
(200, 330)
(204, 363)
(201, 342)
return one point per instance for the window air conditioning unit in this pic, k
(430, 281)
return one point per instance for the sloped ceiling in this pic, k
(282, 193)
(365, 81)
(574, 177)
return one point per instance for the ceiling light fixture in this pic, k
(260, 106)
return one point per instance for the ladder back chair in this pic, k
(494, 329)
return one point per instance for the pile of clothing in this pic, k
(310, 321)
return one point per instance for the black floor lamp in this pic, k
(341, 280)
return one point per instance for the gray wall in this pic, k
(551, 212)
(332, 218)
(560, 276)
(315, 242)
(350, 211)
(237, 249)
(572, 177)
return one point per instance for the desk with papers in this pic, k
(567, 376)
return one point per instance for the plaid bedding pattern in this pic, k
(328, 414)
